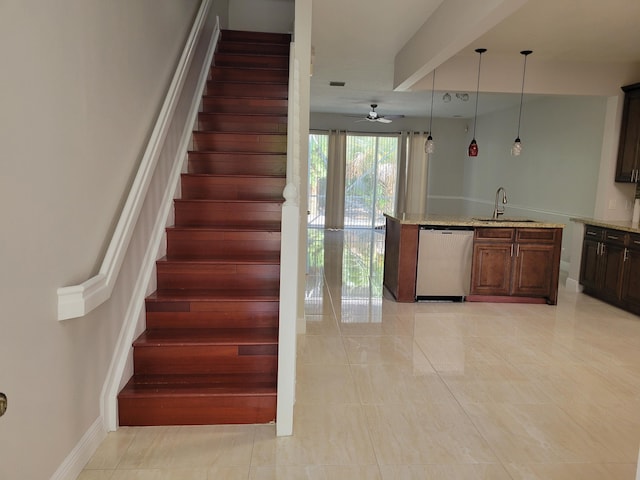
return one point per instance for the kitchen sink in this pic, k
(503, 219)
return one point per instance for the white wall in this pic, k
(262, 15)
(82, 85)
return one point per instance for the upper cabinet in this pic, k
(628, 167)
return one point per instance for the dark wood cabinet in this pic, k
(610, 266)
(631, 274)
(400, 259)
(628, 166)
(516, 262)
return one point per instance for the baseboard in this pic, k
(82, 452)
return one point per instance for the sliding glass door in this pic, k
(370, 179)
(359, 174)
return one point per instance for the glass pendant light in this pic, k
(516, 148)
(429, 146)
(473, 146)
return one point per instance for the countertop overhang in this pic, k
(623, 225)
(473, 222)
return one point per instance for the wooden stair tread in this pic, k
(232, 200)
(275, 227)
(248, 258)
(207, 337)
(207, 295)
(199, 385)
(235, 175)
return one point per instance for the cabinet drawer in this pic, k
(537, 235)
(496, 234)
(594, 233)
(634, 241)
(614, 237)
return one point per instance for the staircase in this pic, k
(209, 352)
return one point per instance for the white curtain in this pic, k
(334, 207)
(412, 175)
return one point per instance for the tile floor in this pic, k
(422, 391)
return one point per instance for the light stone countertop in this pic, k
(623, 225)
(460, 221)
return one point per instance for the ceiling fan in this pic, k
(373, 116)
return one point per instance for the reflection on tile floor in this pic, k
(450, 391)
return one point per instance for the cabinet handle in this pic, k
(512, 249)
(626, 255)
(613, 237)
(636, 242)
(598, 249)
(604, 248)
(593, 234)
(517, 250)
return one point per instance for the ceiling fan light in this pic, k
(446, 98)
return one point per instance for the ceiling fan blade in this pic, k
(393, 117)
(383, 120)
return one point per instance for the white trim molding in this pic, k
(82, 452)
(78, 300)
(289, 288)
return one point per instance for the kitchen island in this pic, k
(513, 260)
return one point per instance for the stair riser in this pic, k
(178, 320)
(253, 48)
(244, 105)
(212, 314)
(237, 164)
(264, 90)
(251, 61)
(228, 74)
(201, 360)
(196, 410)
(198, 212)
(231, 188)
(229, 142)
(255, 37)
(226, 277)
(195, 244)
(242, 123)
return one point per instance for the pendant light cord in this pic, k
(480, 51)
(433, 85)
(524, 71)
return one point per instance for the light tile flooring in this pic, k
(422, 391)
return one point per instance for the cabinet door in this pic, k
(629, 138)
(631, 280)
(612, 262)
(533, 270)
(491, 271)
(589, 264)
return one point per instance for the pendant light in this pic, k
(473, 146)
(429, 146)
(516, 148)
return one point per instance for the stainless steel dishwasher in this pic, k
(444, 263)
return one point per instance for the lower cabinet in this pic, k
(610, 266)
(517, 262)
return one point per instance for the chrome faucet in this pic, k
(497, 211)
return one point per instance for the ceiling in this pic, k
(357, 42)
